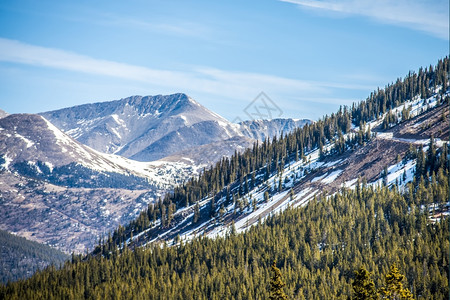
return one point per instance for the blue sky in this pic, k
(308, 56)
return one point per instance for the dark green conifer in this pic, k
(394, 287)
(276, 284)
(363, 285)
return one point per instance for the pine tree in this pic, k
(394, 287)
(266, 196)
(212, 212)
(233, 230)
(431, 155)
(385, 175)
(228, 197)
(196, 213)
(276, 285)
(363, 285)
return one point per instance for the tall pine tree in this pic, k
(394, 287)
(276, 285)
(363, 285)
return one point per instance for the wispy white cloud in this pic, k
(215, 82)
(172, 27)
(424, 15)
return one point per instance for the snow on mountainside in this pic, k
(153, 127)
(209, 154)
(302, 180)
(31, 143)
(143, 128)
(47, 177)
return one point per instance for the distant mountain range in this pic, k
(153, 127)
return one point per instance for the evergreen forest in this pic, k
(317, 248)
(20, 258)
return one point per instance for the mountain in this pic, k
(209, 154)
(32, 146)
(47, 177)
(70, 219)
(143, 128)
(295, 183)
(376, 140)
(153, 127)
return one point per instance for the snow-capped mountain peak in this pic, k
(152, 127)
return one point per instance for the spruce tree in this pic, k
(266, 196)
(196, 213)
(212, 212)
(394, 287)
(363, 285)
(276, 284)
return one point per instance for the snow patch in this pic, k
(332, 177)
(319, 177)
(332, 163)
(7, 162)
(118, 120)
(115, 132)
(49, 166)
(27, 141)
(350, 183)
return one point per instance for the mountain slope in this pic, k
(65, 218)
(317, 248)
(298, 182)
(32, 146)
(209, 154)
(292, 169)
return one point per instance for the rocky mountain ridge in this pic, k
(153, 127)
